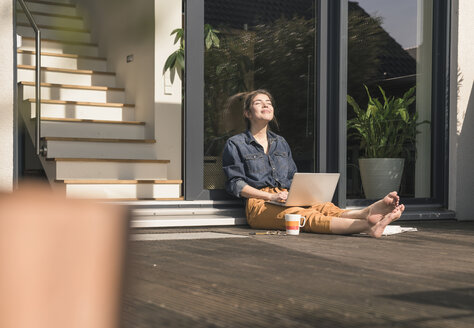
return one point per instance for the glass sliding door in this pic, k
(258, 45)
(390, 49)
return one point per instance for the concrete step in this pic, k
(186, 221)
(156, 214)
(61, 47)
(98, 129)
(55, 33)
(51, 19)
(188, 211)
(81, 110)
(67, 76)
(99, 148)
(67, 92)
(53, 7)
(75, 62)
(116, 169)
(124, 189)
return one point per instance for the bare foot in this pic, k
(379, 209)
(377, 229)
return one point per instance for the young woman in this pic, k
(259, 167)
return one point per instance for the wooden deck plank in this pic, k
(417, 279)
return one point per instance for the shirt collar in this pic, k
(270, 136)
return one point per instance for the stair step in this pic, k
(99, 148)
(85, 181)
(83, 111)
(146, 141)
(186, 221)
(67, 92)
(51, 19)
(100, 130)
(150, 212)
(67, 61)
(105, 169)
(56, 3)
(110, 160)
(70, 76)
(76, 120)
(61, 8)
(56, 46)
(59, 28)
(55, 32)
(124, 189)
(83, 103)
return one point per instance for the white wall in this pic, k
(124, 28)
(464, 154)
(6, 96)
(167, 104)
(142, 28)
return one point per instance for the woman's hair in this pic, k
(250, 96)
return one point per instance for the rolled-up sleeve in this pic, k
(233, 169)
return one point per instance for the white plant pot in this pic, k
(380, 175)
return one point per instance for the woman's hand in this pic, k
(251, 192)
(279, 197)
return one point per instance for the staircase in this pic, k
(95, 148)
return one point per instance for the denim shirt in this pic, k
(245, 163)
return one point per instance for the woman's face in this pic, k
(261, 110)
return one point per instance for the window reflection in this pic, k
(262, 44)
(389, 45)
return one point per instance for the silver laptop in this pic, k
(310, 188)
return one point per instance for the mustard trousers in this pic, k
(263, 215)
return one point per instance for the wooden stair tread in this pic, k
(73, 86)
(51, 27)
(52, 3)
(66, 70)
(122, 181)
(62, 41)
(34, 13)
(115, 160)
(53, 54)
(79, 120)
(80, 103)
(114, 140)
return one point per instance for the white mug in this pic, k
(292, 224)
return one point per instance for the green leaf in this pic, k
(179, 63)
(404, 114)
(383, 94)
(215, 40)
(409, 93)
(172, 73)
(170, 62)
(354, 105)
(208, 41)
(179, 34)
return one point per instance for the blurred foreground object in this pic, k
(61, 260)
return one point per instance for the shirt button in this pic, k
(273, 168)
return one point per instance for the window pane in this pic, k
(258, 45)
(389, 47)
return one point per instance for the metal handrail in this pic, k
(27, 12)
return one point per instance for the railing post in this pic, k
(38, 92)
(37, 77)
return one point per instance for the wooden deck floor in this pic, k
(414, 279)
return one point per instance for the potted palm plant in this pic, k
(387, 133)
